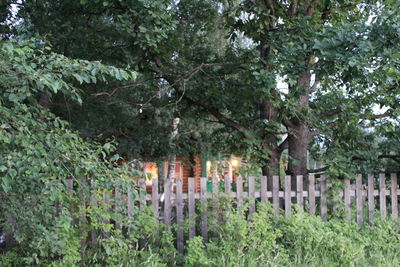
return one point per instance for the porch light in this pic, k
(234, 162)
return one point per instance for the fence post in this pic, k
(311, 193)
(288, 197)
(179, 215)
(382, 195)
(371, 198)
(359, 199)
(191, 207)
(324, 207)
(393, 190)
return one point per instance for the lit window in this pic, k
(151, 171)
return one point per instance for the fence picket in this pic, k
(93, 203)
(167, 202)
(116, 206)
(288, 195)
(239, 192)
(155, 198)
(179, 215)
(252, 204)
(300, 197)
(382, 195)
(359, 200)
(130, 204)
(275, 194)
(347, 199)
(323, 190)
(359, 191)
(395, 212)
(264, 183)
(215, 182)
(142, 193)
(228, 181)
(203, 203)
(191, 208)
(371, 198)
(311, 193)
(106, 202)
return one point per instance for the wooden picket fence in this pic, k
(379, 194)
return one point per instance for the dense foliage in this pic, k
(38, 153)
(301, 240)
(261, 79)
(272, 81)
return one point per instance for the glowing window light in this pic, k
(235, 162)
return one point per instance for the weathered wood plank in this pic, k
(393, 183)
(142, 194)
(324, 202)
(359, 200)
(131, 204)
(382, 195)
(116, 206)
(371, 198)
(228, 181)
(311, 193)
(155, 198)
(179, 215)
(167, 202)
(203, 203)
(275, 194)
(252, 199)
(239, 191)
(347, 199)
(191, 208)
(300, 189)
(93, 203)
(264, 183)
(215, 182)
(142, 205)
(288, 195)
(106, 203)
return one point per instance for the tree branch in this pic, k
(283, 145)
(329, 113)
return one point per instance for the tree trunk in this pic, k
(172, 158)
(298, 141)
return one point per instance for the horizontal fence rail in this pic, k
(361, 199)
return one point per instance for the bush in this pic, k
(301, 240)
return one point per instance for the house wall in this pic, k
(190, 168)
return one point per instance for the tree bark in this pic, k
(172, 158)
(298, 141)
